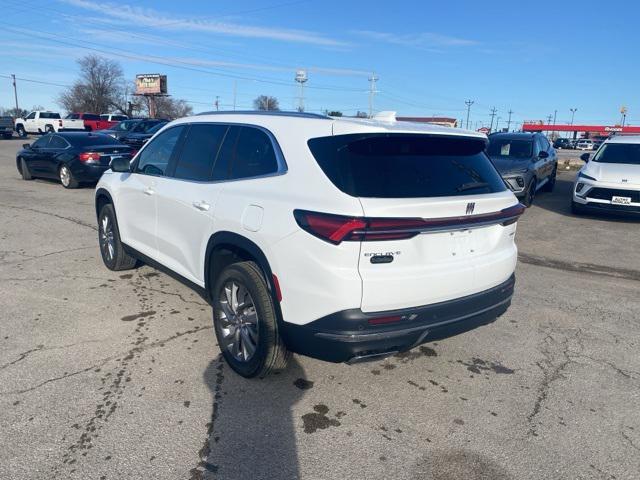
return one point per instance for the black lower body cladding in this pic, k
(348, 335)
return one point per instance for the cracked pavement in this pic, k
(116, 375)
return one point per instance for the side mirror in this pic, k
(26, 146)
(585, 157)
(543, 154)
(121, 165)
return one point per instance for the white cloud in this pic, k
(429, 40)
(152, 18)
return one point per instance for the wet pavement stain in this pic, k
(136, 316)
(478, 366)
(359, 402)
(303, 384)
(318, 420)
(422, 351)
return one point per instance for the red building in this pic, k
(588, 131)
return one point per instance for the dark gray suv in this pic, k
(526, 161)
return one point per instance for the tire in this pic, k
(551, 184)
(22, 133)
(24, 170)
(530, 194)
(576, 208)
(49, 129)
(246, 322)
(66, 177)
(111, 249)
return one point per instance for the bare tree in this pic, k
(266, 102)
(170, 108)
(99, 88)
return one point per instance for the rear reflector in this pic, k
(89, 157)
(384, 320)
(339, 228)
(276, 284)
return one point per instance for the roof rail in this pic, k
(275, 113)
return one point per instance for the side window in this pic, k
(537, 146)
(57, 142)
(155, 157)
(254, 154)
(42, 142)
(31, 116)
(73, 116)
(199, 152)
(545, 143)
(223, 162)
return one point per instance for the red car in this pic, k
(92, 121)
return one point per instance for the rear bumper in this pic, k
(88, 172)
(348, 336)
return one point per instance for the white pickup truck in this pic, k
(45, 122)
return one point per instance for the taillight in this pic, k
(60, 123)
(340, 228)
(89, 157)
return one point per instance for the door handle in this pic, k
(202, 206)
(149, 191)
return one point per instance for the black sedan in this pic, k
(526, 161)
(71, 157)
(137, 139)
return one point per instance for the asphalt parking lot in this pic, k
(107, 375)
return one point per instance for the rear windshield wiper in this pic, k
(471, 186)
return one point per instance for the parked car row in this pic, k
(577, 144)
(41, 122)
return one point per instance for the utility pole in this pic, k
(497, 121)
(468, 103)
(555, 114)
(217, 103)
(15, 92)
(549, 118)
(493, 114)
(235, 84)
(509, 120)
(372, 91)
(623, 111)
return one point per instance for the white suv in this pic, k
(611, 181)
(342, 239)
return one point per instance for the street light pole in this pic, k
(573, 112)
(468, 103)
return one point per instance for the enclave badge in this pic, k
(470, 207)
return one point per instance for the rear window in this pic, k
(406, 166)
(627, 153)
(509, 147)
(91, 140)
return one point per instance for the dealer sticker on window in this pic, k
(621, 200)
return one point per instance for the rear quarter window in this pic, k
(406, 166)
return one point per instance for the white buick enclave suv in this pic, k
(342, 239)
(610, 182)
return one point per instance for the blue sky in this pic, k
(430, 56)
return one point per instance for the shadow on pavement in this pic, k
(251, 434)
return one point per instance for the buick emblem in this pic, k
(470, 207)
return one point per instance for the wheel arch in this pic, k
(103, 197)
(226, 247)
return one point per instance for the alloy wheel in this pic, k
(238, 321)
(65, 175)
(107, 239)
